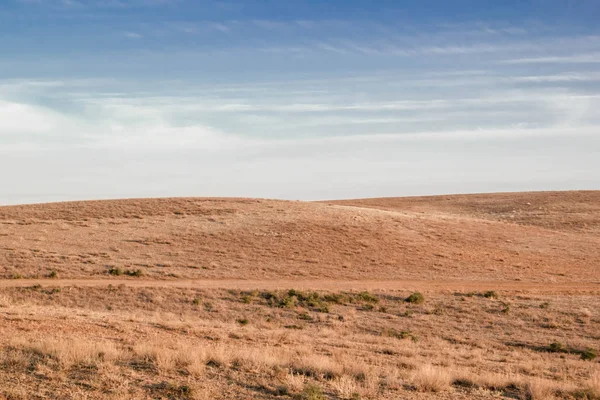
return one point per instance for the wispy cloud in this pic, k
(260, 101)
(132, 35)
(590, 58)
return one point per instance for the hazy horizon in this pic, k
(297, 100)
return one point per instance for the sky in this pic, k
(296, 99)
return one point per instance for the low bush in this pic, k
(312, 392)
(589, 354)
(368, 297)
(415, 298)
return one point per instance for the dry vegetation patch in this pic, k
(113, 342)
(454, 297)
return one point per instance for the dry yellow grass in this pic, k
(122, 340)
(114, 337)
(432, 379)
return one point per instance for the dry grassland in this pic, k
(505, 310)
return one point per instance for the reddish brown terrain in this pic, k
(510, 237)
(251, 298)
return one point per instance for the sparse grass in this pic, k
(305, 316)
(160, 335)
(346, 387)
(539, 389)
(592, 387)
(390, 332)
(172, 391)
(368, 297)
(69, 352)
(313, 392)
(557, 347)
(431, 379)
(152, 341)
(115, 271)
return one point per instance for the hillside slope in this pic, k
(573, 211)
(445, 237)
(259, 299)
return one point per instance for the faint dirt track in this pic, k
(426, 286)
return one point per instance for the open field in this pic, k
(244, 299)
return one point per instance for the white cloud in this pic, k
(22, 119)
(589, 58)
(132, 35)
(221, 27)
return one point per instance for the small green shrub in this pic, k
(368, 297)
(545, 305)
(196, 301)
(557, 347)
(336, 298)
(323, 308)
(313, 392)
(289, 302)
(172, 391)
(282, 390)
(415, 298)
(400, 335)
(115, 271)
(367, 307)
(247, 299)
(53, 274)
(242, 321)
(589, 354)
(136, 273)
(490, 294)
(305, 317)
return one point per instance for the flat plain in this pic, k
(478, 296)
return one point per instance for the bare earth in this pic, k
(251, 298)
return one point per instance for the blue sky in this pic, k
(296, 99)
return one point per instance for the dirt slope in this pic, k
(575, 211)
(431, 238)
